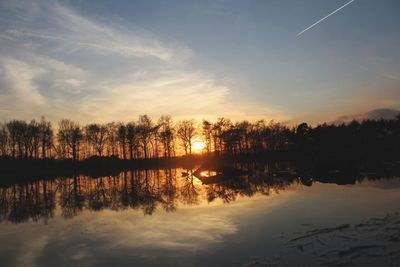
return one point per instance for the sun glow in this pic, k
(198, 145)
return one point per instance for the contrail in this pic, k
(300, 33)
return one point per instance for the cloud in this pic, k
(37, 86)
(51, 24)
(177, 92)
(184, 94)
(376, 114)
(59, 63)
(16, 86)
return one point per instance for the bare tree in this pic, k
(69, 137)
(218, 128)
(244, 128)
(45, 136)
(207, 133)
(3, 140)
(166, 135)
(96, 135)
(155, 139)
(16, 130)
(112, 139)
(186, 132)
(32, 140)
(121, 138)
(131, 136)
(145, 129)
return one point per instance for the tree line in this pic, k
(145, 138)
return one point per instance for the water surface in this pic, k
(244, 216)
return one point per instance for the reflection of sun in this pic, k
(198, 145)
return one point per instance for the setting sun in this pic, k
(198, 145)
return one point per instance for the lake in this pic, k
(239, 215)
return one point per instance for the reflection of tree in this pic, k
(27, 201)
(71, 197)
(99, 196)
(124, 193)
(4, 202)
(144, 190)
(189, 192)
(148, 197)
(258, 179)
(220, 191)
(115, 192)
(49, 199)
(169, 190)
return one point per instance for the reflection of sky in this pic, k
(201, 235)
(240, 59)
(97, 237)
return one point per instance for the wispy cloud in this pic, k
(177, 92)
(66, 30)
(59, 62)
(16, 83)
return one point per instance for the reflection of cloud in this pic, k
(29, 255)
(128, 238)
(192, 233)
(96, 239)
(19, 247)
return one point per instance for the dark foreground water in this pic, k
(242, 216)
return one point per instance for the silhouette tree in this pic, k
(121, 138)
(69, 137)
(32, 139)
(243, 128)
(45, 137)
(131, 137)
(145, 131)
(207, 133)
(16, 130)
(166, 135)
(155, 140)
(3, 140)
(112, 139)
(278, 136)
(186, 132)
(144, 139)
(96, 135)
(217, 131)
(231, 139)
(302, 129)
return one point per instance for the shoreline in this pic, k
(348, 165)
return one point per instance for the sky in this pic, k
(101, 61)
